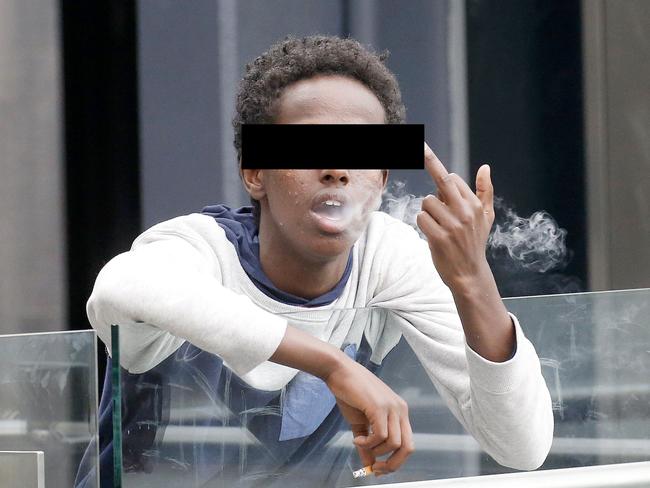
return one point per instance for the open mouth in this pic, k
(330, 217)
(330, 209)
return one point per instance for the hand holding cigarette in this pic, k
(362, 473)
(378, 417)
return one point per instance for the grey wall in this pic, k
(192, 55)
(32, 242)
(617, 89)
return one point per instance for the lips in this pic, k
(323, 197)
(328, 225)
(329, 218)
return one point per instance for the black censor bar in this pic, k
(340, 146)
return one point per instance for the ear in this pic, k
(384, 175)
(253, 180)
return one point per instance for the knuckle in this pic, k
(393, 444)
(466, 217)
(439, 239)
(427, 202)
(456, 227)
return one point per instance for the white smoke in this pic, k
(536, 243)
(402, 205)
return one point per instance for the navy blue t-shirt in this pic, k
(241, 231)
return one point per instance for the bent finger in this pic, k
(431, 229)
(399, 457)
(438, 211)
(378, 434)
(367, 459)
(359, 433)
(394, 439)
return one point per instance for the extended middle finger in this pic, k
(444, 181)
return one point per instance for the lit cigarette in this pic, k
(362, 473)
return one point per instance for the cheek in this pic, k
(287, 194)
(371, 191)
(283, 186)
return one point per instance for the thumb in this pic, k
(366, 456)
(484, 188)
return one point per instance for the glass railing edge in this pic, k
(628, 475)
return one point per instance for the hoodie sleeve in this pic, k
(166, 290)
(505, 406)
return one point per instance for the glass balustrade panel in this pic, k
(192, 422)
(48, 401)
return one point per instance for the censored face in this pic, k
(322, 212)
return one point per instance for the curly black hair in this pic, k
(293, 59)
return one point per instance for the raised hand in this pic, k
(457, 222)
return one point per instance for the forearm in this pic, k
(160, 287)
(302, 351)
(487, 325)
(495, 414)
(505, 405)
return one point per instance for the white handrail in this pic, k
(626, 475)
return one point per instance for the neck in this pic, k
(292, 272)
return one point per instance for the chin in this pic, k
(331, 246)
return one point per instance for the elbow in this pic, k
(527, 456)
(530, 453)
(105, 301)
(534, 444)
(530, 459)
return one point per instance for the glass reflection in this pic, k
(192, 422)
(48, 401)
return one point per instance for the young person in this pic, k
(218, 282)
